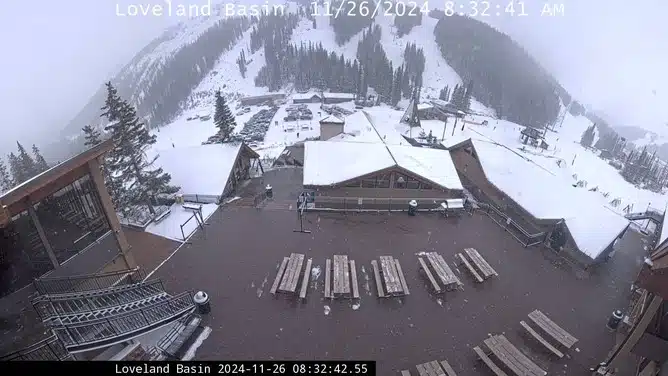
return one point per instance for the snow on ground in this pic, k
(170, 226)
(304, 33)
(437, 73)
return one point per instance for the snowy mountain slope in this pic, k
(437, 73)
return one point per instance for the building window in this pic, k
(400, 181)
(383, 181)
(368, 183)
(425, 186)
(353, 184)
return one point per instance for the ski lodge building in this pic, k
(69, 283)
(543, 209)
(211, 172)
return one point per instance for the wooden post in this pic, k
(94, 168)
(42, 235)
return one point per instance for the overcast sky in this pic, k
(57, 53)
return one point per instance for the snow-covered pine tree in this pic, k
(223, 118)
(28, 167)
(92, 136)
(133, 181)
(40, 162)
(5, 179)
(587, 137)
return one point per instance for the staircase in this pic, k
(48, 349)
(97, 311)
(651, 215)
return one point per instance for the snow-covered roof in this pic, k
(358, 128)
(339, 95)
(200, 170)
(332, 119)
(327, 163)
(543, 195)
(305, 95)
(424, 106)
(332, 162)
(664, 228)
(434, 165)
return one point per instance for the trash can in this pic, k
(615, 319)
(412, 207)
(268, 190)
(202, 303)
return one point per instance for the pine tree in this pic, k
(223, 118)
(18, 176)
(396, 88)
(26, 163)
(40, 162)
(91, 136)
(466, 103)
(5, 179)
(241, 61)
(587, 137)
(133, 182)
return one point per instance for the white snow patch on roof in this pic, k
(424, 106)
(304, 96)
(332, 119)
(339, 95)
(327, 163)
(545, 196)
(432, 164)
(200, 170)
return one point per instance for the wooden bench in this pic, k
(488, 361)
(405, 373)
(307, 273)
(512, 357)
(470, 268)
(552, 329)
(281, 270)
(542, 340)
(433, 368)
(379, 281)
(434, 284)
(482, 265)
(341, 277)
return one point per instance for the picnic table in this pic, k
(390, 280)
(341, 280)
(433, 368)
(476, 265)
(552, 329)
(434, 262)
(289, 273)
(512, 357)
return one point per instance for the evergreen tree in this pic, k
(26, 163)
(466, 103)
(241, 61)
(5, 179)
(315, 26)
(40, 162)
(396, 86)
(18, 175)
(133, 182)
(91, 136)
(223, 118)
(587, 137)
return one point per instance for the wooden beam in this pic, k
(620, 354)
(95, 170)
(42, 237)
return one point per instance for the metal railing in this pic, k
(45, 305)
(346, 204)
(515, 229)
(89, 282)
(48, 349)
(109, 331)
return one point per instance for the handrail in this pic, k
(41, 306)
(50, 348)
(89, 293)
(106, 329)
(69, 284)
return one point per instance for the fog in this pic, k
(57, 54)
